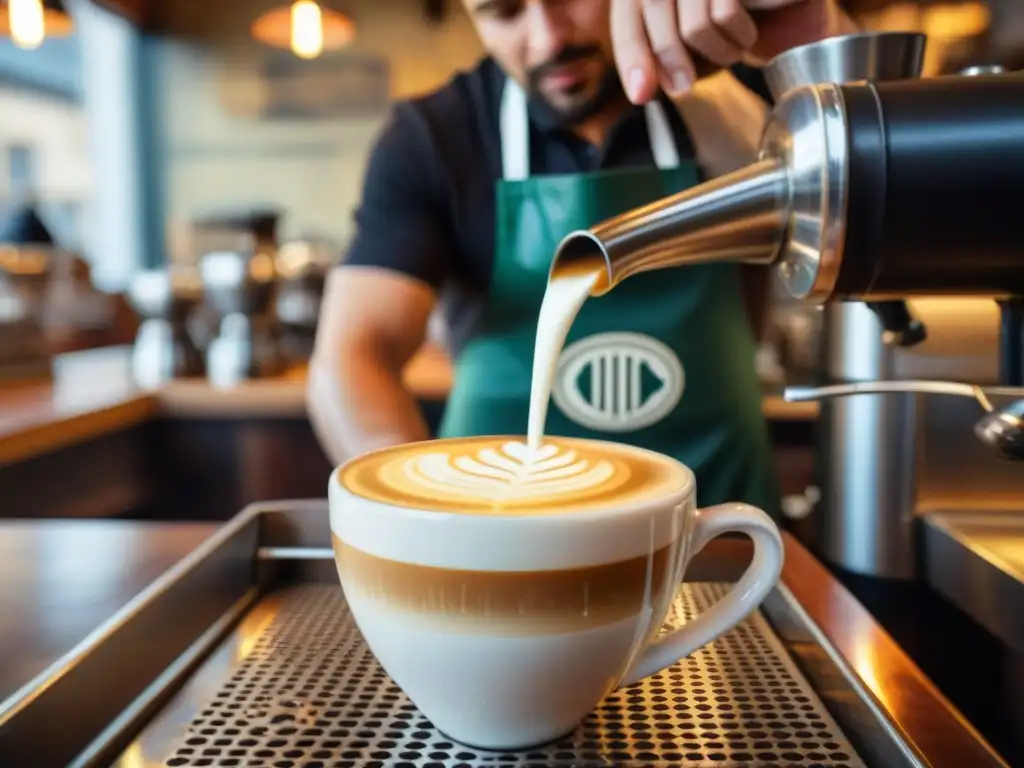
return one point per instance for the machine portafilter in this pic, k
(872, 190)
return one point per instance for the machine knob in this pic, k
(899, 327)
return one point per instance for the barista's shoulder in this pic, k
(460, 111)
(725, 120)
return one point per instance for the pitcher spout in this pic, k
(741, 216)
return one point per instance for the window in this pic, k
(20, 170)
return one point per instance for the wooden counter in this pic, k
(60, 580)
(93, 393)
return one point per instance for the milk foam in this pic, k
(510, 472)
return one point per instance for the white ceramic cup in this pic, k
(506, 631)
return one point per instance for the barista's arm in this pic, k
(372, 322)
(377, 304)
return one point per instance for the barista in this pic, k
(581, 109)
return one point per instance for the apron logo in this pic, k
(618, 382)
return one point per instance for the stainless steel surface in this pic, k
(872, 56)
(953, 471)
(990, 69)
(963, 344)
(847, 59)
(1002, 428)
(807, 134)
(737, 217)
(804, 394)
(873, 466)
(865, 452)
(300, 683)
(867, 474)
(293, 683)
(976, 560)
(882, 459)
(110, 674)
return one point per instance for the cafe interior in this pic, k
(177, 181)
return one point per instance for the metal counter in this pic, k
(244, 654)
(975, 559)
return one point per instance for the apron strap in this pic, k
(663, 143)
(515, 134)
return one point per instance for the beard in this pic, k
(587, 99)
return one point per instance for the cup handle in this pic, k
(746, 595)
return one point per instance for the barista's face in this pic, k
(559, 50)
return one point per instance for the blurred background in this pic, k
(137, 137)
(176, 179)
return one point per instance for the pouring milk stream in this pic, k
(564, 297)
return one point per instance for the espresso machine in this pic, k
(164, 347)
(302, 268)
(895, 202)
(239, 287)
(238, 267)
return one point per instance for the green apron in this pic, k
(665, 361)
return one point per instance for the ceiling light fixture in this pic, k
(28, 22)
(305, 27)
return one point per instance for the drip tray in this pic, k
(296, 687)
(244, 655)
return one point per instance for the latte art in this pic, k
(512, 471)
(503, 476)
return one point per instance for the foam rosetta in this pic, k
(510, 472)
(504, 476)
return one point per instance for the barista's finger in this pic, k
(768, 5)
(663, 33)
(702, 36)
(633, 58)
(735, 24)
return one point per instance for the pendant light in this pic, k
(305, 27)
(28, 22)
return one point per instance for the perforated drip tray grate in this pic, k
(310, 694)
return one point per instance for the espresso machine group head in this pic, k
(869, 186)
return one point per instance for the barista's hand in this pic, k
(661, 42)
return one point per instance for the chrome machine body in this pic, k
(872, 187)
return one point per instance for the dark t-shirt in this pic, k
(428, 202)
